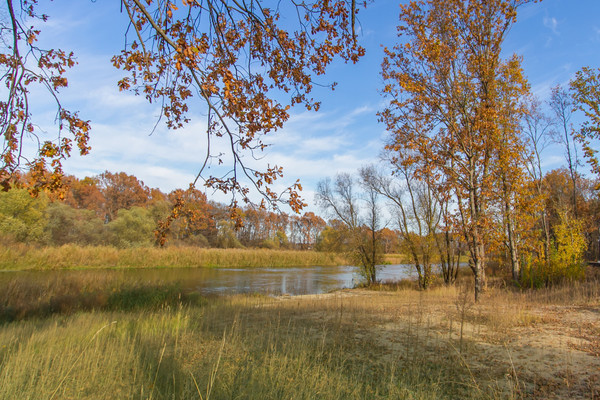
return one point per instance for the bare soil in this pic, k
(533, 344)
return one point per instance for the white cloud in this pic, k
(552, 24)
(552, 161)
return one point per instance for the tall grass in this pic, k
(405, 344)
(26, 297)
(239, 347)
(24, 257)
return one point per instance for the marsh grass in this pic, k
(238, 347)
(23, 297)
(362, 344)
(25, 257)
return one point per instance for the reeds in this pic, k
(25, 257)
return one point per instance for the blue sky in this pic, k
(555, 38)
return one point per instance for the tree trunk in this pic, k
(512, 248)
(546, 228)
(478, 266)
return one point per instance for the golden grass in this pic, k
(357, 344)
(240, 347)
(24, 257)
(396, 258)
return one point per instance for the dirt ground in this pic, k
(541, 344)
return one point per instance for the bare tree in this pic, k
(341, 201)
(418, 214)
(562, 107)
(537, 130)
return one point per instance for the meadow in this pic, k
(104, 340)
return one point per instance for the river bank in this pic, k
(350, 344)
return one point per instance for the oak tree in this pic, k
(241, 63)
(24, 68)
(121, 191)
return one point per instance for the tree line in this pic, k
(120, 210)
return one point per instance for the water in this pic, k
(270, 281)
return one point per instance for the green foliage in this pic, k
(159, 210)
(566, 256)
(26, 297)
(196, 240)
(22, 217)
(69, 225)
(144, 296)
(332, 239)
(226, 238)
(132, 228)
(278, 241)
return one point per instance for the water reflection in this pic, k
(271, 281)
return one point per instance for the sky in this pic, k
(555, 38)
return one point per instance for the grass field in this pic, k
(24, 257)
(153, 342)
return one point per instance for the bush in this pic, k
(69, 225)
(132, 228)
(566, 258)
(23, 217)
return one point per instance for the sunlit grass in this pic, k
(239, 347)
(109, 339)
(23, 257)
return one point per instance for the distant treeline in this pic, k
(120, 210)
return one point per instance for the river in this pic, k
(270, 281)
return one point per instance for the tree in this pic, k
(131, 228)
(515, 197)
(390, 241)
(121, 191)
(195, 222)
(585, 90)
(334, 238)
(417, 212)
(341, 201)
(84, 194)
(242, 61)
(70, 225)
(537, 132)
(561, 104)
(559, 202)
(446, 85)
(22, 217)
(308, 226)
(26, 67)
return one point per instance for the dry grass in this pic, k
(353, 344)
(239, 347)
(25, 257)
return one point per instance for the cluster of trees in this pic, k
(118, 209)
(465, 153)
